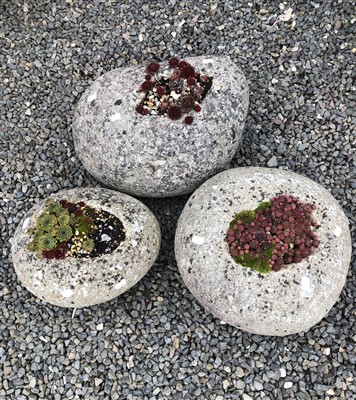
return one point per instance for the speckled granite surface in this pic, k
(81, 282)
(151, 155)
(279, 303)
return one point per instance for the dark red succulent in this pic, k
(175, 95)
(152, 68)
(161, 90)
(188, 102)
(191, 81)
(49, 254)
(146, 86)
(188, 119)
(182, 64)
(139, 109)
(197, 108)
(174, 112)
(173, 62)
(188, 71)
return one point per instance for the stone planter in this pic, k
(150, 155)
(81, 282)
(277, 303)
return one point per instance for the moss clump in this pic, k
(244, 216)
(264, 206)
(257, 263)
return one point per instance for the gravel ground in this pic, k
(155, 341)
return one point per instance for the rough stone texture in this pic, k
(81, 282)
(151, 155)
(279, 303)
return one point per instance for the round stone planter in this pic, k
(81, 282)
(277, 303)
(152, 155)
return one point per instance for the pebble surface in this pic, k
(155, 341)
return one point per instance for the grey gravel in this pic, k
(301, 109)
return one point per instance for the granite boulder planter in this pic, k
(153, 155)
(95, 273)
(279, 303)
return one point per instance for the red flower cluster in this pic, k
(281, 231)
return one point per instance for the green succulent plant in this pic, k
(85, 224)
(64, 219)
(72, 220)
(57, 225)
(37, 233)
(32, 246)
(55, 208)
(62, 211)
(88, 245)
(46, 222)
(46, 242)
(64, 233)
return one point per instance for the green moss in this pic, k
(259, 264)
(245, 216)
(264, 206)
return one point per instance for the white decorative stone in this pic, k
(81, 282)
(278, 303)
(152, 155)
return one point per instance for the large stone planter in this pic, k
(278, 303)
(81, 282)
(152, 155)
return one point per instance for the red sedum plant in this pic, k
(277, 233)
